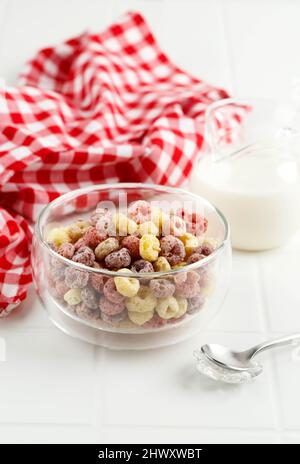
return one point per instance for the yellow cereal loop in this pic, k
(58, 236)
(190, 242)
(148, 227)
(182, 306)
(143, 302)
(149, 247)
(210, 241)
(157, 216)
(167, 308)
(73, 296)
(127, 286)
(140, 318)
(77, 229)
(124, 225)
(179, 265)
(161, 265)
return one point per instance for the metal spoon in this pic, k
(221, 363)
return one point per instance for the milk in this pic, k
(259, 193)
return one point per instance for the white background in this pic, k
(55, 389)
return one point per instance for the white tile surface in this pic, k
(55, 389)
(280, 271)
(242, 310)
(187, 435)
(179, 394)
(47, 378)
(291, 439)
(44, 434)
(29, 314)
(287, 378)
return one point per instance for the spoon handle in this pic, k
(287, 340)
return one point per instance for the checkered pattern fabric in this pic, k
(98, 108)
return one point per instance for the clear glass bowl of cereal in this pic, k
(131, 266)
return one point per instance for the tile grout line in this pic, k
(266, 322)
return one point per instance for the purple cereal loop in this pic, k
(132, 243)
(194, 258)
(162, 288)
(61, 288)
(66, 250)
(116, 319)
(172, 249)
(195, 304)
(87, 313)
(111, 293)
(190, 287)
(84, 255)
(118, 259)
(142, 265)
(109, 308)
(74, 278)
(90, 298)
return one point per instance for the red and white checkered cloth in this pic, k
(98, 108)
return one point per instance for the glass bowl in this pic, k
(212, 273)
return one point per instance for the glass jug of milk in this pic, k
(251, 170)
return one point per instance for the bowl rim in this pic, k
(129, 185)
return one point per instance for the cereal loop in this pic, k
(162, 288)
(84, 255)
(127, 286)
(149, 247)
(143, 302)
(147, 227)
(111, 293)
(190, 287)
(140, 211)
(77, 229)
(141, 265)
(89, 297)
(58, 236)
(73, 296)
(74, 278)
(172, 249)
(118, 259)
(107, 246)
(124, 225)
(109, 308)
(167, 308)
(182, 307)
(66, 250)
(161, 265)
(140, 318)
(132, 243)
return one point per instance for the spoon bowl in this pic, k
(226, 365)
(227, 358)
